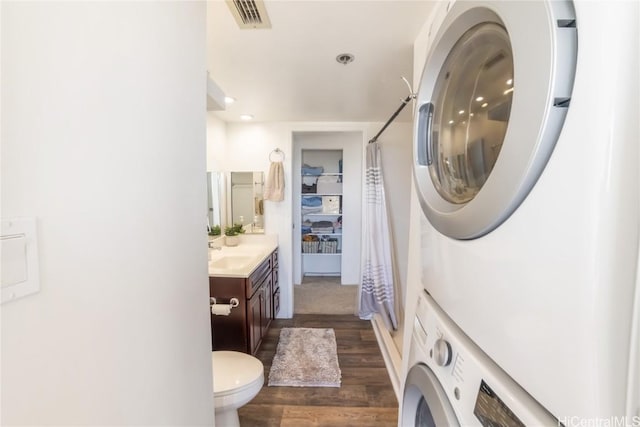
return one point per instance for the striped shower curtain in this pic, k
(376, 291)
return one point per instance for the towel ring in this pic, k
(279, 152)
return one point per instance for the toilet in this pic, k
(237, 379)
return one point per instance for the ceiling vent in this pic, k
(249, 13)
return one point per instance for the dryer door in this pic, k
(425, 403)
(492, 99)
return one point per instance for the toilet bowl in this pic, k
(237, 378)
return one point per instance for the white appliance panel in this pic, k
(460, 384)
(548, 294)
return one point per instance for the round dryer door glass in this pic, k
(472, 103)
(479, 146)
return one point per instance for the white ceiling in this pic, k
(289, 72)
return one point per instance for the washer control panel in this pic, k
(442, 352)
(480, 392)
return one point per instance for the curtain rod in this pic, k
(392, 118)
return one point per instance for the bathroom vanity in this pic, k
(249, 274)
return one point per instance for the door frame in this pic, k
(352, 150)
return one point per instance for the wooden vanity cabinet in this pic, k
(243, 329)
(275, 284)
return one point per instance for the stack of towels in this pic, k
(322, 227)
(311, 205)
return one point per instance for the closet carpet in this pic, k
(324, 295)
(364, 399)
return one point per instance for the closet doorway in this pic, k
(327, 206)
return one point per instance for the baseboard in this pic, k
(390, 354)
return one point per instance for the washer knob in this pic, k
(442, 352)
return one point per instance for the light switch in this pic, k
(19, 268)
(14, 260)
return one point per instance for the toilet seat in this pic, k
(241, 371)
(257, 383)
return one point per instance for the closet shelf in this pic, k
(323, 234)
(320, 254)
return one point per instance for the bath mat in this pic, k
(306, 357)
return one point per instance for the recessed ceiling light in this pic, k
(229, 100)
(506, 92)
(480, 98)
(450, 122)
(510, 81)
(461, 112)
(345, 58)
(246, 117)
(484, 105)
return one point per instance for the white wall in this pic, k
(103, 140)
(216, 142)
(216, 155)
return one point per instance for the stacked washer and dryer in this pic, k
(526, 164)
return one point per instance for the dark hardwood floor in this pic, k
(366, 397)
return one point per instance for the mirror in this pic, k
(247, 202)
(215, 199)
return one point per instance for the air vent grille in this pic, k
(249, 13)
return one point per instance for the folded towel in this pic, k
(311, 209)
(319, 224)
(311, 170)
(328, 230)
(312, 201)
(274, 187)
(309, 188)
(309, 180)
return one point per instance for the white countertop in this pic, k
(241, 260)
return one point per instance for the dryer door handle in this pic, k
(423, 139)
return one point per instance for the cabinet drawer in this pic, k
(257, 277)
